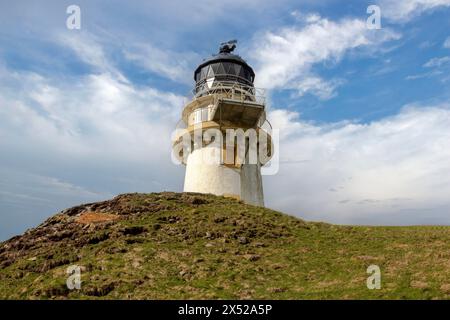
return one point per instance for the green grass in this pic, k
(190, 246)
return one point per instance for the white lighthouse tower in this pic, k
(226, 102)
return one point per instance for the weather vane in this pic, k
(227, 47)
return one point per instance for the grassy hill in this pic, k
(186, 246)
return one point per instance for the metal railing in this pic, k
(231, 90)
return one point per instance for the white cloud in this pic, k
(317, 86)
(285, 59)
(166, 63)
(97, 115)
(173, 65)
(306, 17)
(404, 10)
(391, 171)
(424, 75)
(437, 62)
(447, 43)
(437, 67)
(88, 48)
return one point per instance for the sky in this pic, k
(363, 113)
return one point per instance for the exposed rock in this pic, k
(100, 291)
(243, 240)
(134, 230)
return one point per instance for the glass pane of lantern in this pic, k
(204, 72)
(220, 69)
(247, 74)
(214, 67)
(211, 72)
(242, 73)
(237, 69)
(228, 68)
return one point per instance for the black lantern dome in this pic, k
(223, 67)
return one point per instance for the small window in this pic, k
(197, 116)
(200, 115)
(204, 114)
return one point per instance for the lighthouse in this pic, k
(224, 124)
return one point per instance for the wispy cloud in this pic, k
(402, 11)
(176, 66)
(429, 74)
(437, 62)
(101, 109)
(285, 58)
(437, 67)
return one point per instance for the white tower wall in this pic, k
(243, 183)
(211, 178)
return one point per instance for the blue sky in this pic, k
(363, 114)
